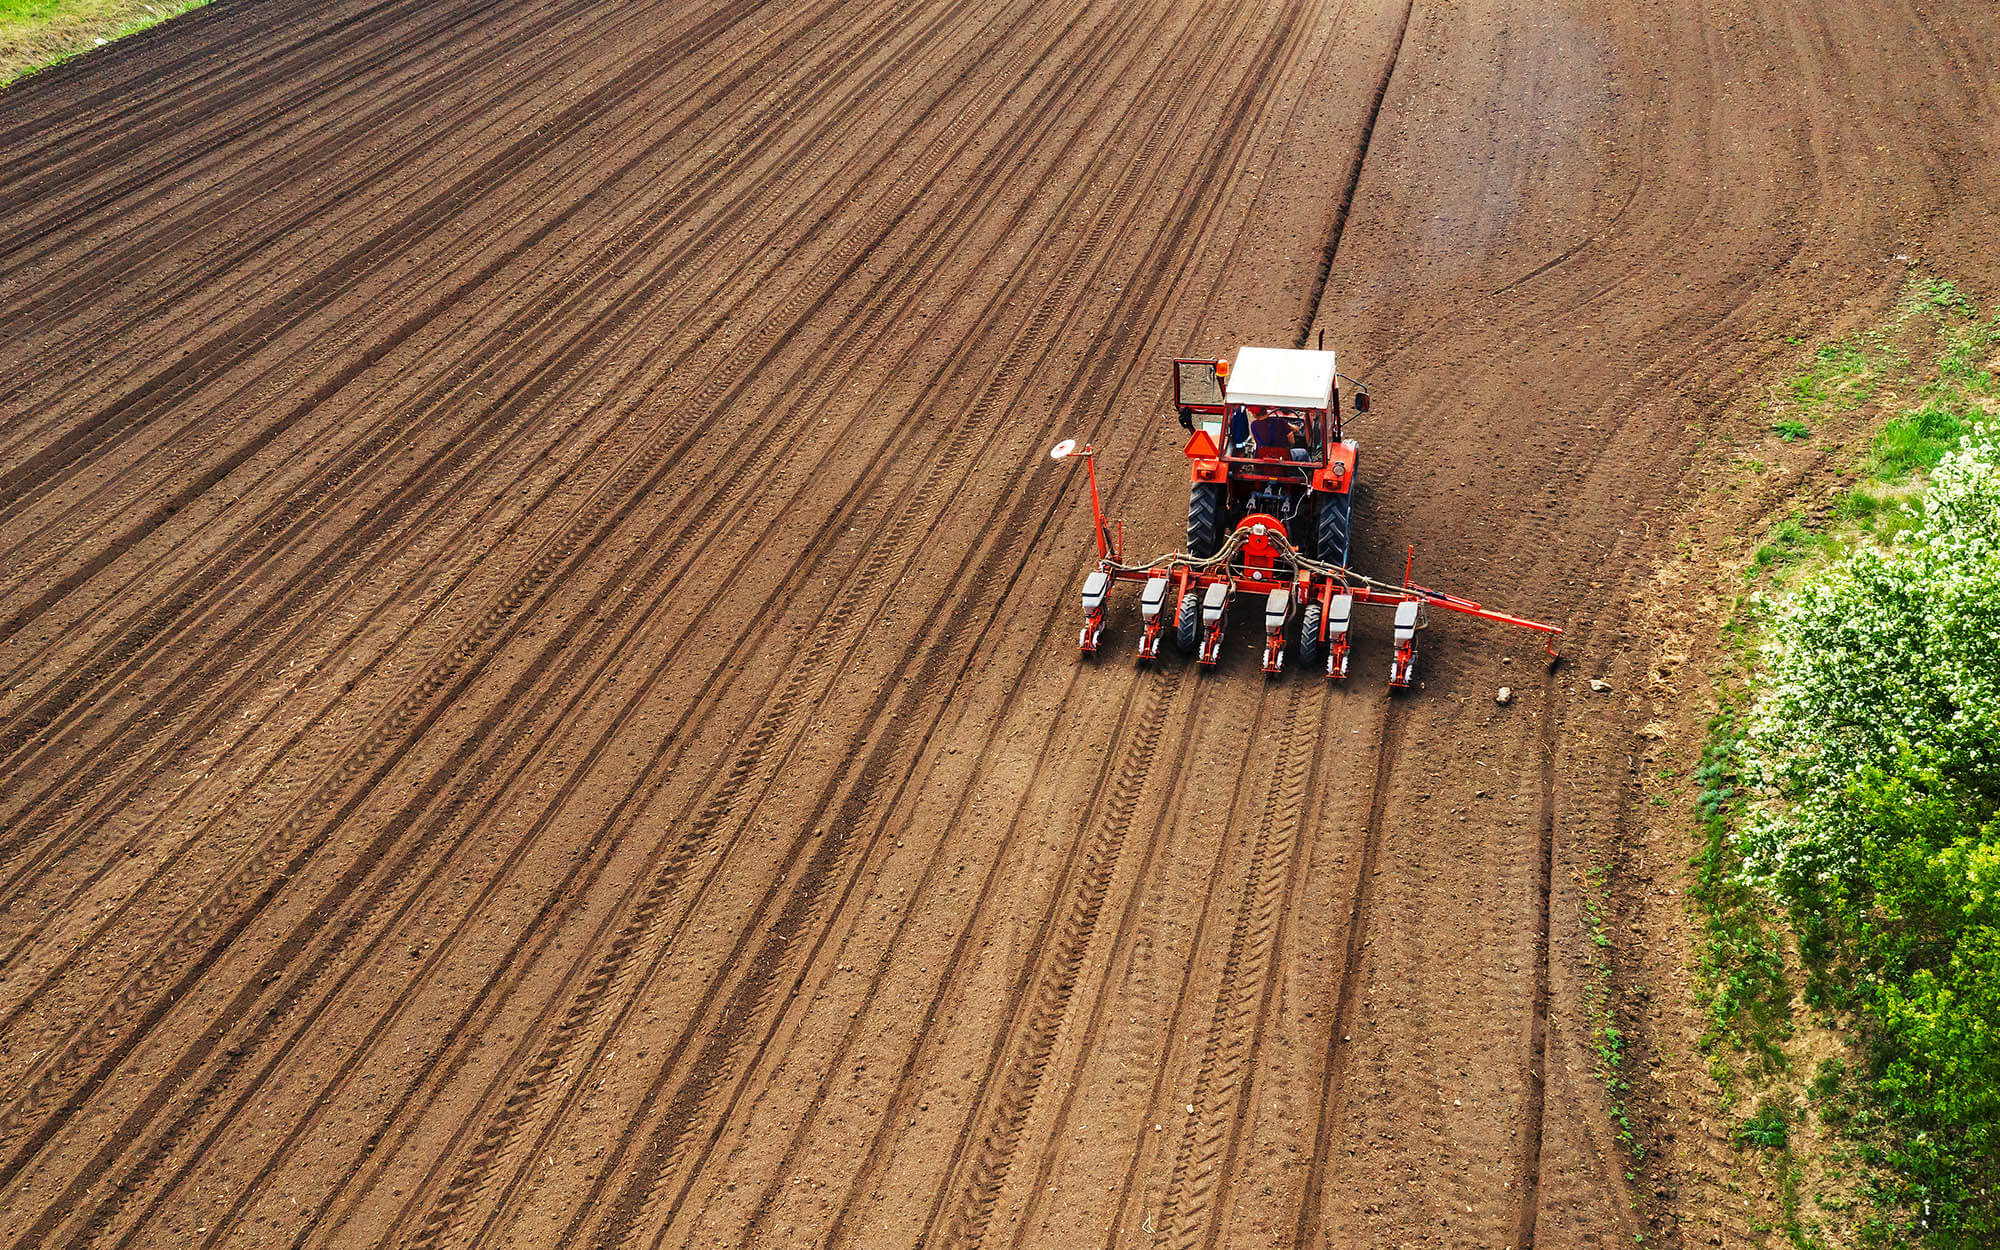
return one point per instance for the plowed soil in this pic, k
(538, 700)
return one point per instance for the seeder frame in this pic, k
(1259, 558)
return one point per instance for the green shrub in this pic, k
(1873, 757)
(1770, 1128)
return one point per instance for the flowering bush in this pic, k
(1873, 748)
(1886, 664)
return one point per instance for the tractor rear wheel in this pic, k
(1309, 639)
(1333, 526)
(1187, 626)
(1205, 507)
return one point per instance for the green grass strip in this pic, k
(36, 34)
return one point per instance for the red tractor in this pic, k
(1266, 441)
(1270, 512)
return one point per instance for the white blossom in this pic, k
(1887, 656)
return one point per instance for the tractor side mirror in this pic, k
(1361, 401)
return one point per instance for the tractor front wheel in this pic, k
(1187, 625)
(1309, 639)
(1206, 502)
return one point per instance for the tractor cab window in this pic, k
(1239, 430)
(1298, 432)
(1303, 435)
(1197, 385)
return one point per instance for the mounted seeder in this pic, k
(1270, 512)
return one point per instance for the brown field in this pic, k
(538, 700)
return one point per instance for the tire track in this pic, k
(436, 145)
(876, 789)
(765, 1202)
(767, 1197)
(603, 740)
(289, 314)
(1528, 1178)
(752, 772)
(776, 595)
(1138, 692)
(41, 129)
(661, 595)
(170, 387)
(257, 880)
(562, 677)
(925, 506)
(1333, 1069)
(546, 312)
(1048, 1002)
(733, 1101)
(270, 122)
(1131, 943)
(1044, 1180)
(1334, 1065)
(518, 330)
(720, 1058)
(217, 285)
(1006, 1125)
(98, 667)
(1204, 1167)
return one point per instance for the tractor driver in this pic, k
(1271, 429)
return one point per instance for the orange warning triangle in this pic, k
(1201, 446)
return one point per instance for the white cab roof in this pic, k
(1281, 378)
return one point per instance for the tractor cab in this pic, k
(1275, 403)
(1266, 440)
